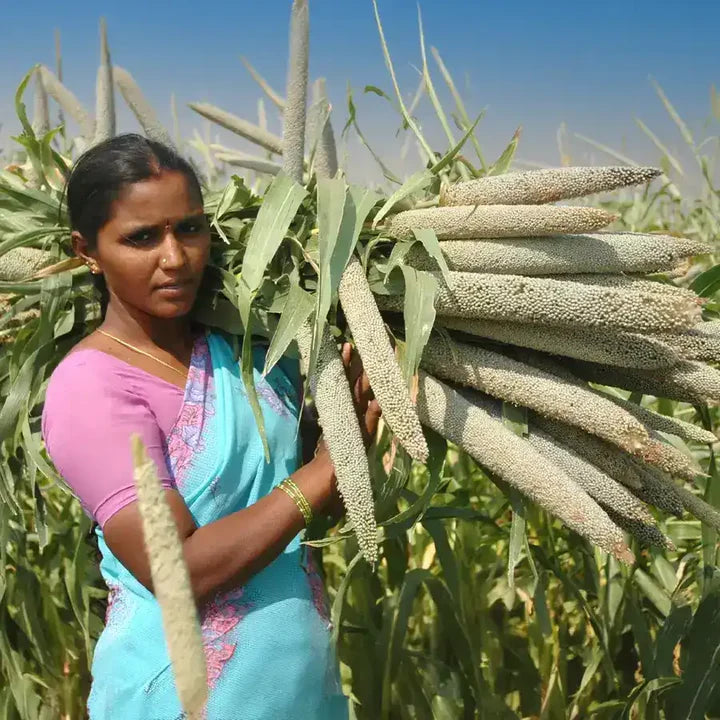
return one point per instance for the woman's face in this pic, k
(154, 248)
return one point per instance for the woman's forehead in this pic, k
(163, 197)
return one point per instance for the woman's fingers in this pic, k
(367, 407)
(372, 417)
(346, 354)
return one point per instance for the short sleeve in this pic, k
(89, 416)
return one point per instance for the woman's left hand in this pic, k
(368, 408)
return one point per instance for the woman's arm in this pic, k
(229, 551)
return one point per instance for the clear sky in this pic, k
(532, 63)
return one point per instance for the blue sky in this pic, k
(530, 63)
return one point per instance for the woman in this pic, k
(136, 211)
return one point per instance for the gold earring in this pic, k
(163, 261)
(94, 269)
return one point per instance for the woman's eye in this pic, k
(142, 237)
(191, 227)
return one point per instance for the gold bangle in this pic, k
(299, 497)
(289, 487)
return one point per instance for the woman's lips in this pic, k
(175, 289)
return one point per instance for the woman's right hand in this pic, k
(332, 504)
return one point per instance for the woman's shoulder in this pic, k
(85, 365)
(87, 377)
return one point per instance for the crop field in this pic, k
(534, 530)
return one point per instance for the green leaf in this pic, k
(298, 306)
(712, 497)
(707, 283)
(437, 447)
(416, 182)
(403, 109)
(13, 240)
(419, 316)
(700, 658)
(352, 122)
(464, 119)
(17, 398)
(232, 192)
(642, 636)
(446, 159)
(364, 201)
(445, 555)
(338, 605)
(430, 242)
(515, 418)
(398, 628)
(332, 220)
(435, 101)
(641, 695)
(247, 366)
(658, 597)
(670, 634)
(517, 535)
(277, 211)
(28, 139)
(502, 164)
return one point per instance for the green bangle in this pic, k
(289, 487)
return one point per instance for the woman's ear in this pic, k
(81, 249)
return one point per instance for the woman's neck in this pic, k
(170, 334)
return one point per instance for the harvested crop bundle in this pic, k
(688, 380)
(515, 461)
(670, 459)
(522, 384)
(604, 455)
(342, 433)
(659, 490)
(647, 534)
(491, 221)
(600, 486)
(701, 342)
(544, 301)
(379, 361)
(561, 254)
(618, 347)
(666, 423)
(544, 186)
(629, 282)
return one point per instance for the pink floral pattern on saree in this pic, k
(317, 590)
(271, 395)
(222, 616)
(185, 439)
(116, 611)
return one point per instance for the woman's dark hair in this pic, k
(101, 173)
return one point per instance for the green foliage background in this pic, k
(481, 606)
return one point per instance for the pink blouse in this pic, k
(94, 403)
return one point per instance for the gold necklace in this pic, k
(143, 352)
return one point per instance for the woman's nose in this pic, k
(173, 253)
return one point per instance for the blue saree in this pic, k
(267, 643)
